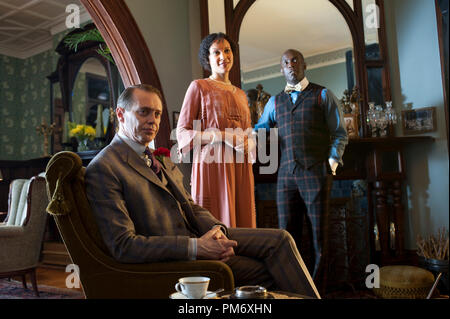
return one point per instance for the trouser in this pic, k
(305, 193)
(269, 257)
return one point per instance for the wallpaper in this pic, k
(25, 101)
(79, 99)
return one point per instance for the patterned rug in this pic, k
(14, 290)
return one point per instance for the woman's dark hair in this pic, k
(203, 52)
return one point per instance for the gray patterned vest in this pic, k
(303, 132)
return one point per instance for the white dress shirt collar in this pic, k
(304, 83)
(137, 147)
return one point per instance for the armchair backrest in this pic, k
(17, 207)
(71, 209)
(26, 213)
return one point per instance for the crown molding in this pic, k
(311, 60)
(270, 71)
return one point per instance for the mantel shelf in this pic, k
(392, 140)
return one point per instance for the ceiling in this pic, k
(269, 27)
(313, 27)
(27, 26)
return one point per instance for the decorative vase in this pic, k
(83, 145)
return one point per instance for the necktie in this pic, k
(154, 164)
(291, 88)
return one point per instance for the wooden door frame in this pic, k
(440, 32)
(129, 50)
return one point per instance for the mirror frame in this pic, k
(354, 19)
(69, 65)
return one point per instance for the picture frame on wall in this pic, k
(419, 121)
(351, 125)
(175, 116)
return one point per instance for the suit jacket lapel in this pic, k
(137, 163)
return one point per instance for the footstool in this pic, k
(404, 282)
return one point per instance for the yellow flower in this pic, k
(75, 130)
(82, 131)
(89, 130)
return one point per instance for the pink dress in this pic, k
(225, 187)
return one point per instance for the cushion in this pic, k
(405, 282)
(15, 193)
(23, 204)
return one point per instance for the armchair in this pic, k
(102, 276)
(22, 233)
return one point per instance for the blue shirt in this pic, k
(334, 120)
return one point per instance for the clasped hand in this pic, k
(215, 245)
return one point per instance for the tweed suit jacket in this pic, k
(139, 218)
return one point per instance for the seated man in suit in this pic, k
(145, 214)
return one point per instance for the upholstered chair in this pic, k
(101, 276)
(22, 232)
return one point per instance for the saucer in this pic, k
(179, 295)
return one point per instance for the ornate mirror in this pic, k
(329, 57)
(89, 82)
(362, 19)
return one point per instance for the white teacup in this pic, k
(193, 287)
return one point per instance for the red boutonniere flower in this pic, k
(160, 153)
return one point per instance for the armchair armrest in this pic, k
(156, 280)
(11, 231)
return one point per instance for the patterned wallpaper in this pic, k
(24, 101)
(79, 99)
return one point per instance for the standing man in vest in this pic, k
(312, 139)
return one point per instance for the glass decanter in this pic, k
(390, 114)
(372, 119)
(381, 121)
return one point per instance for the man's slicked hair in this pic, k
(126, 100)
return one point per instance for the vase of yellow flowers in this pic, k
(83, 134)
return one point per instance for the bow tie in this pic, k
(151, 161)
(291, 88)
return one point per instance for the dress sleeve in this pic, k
(187, 129)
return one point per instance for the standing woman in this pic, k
(221, 181)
